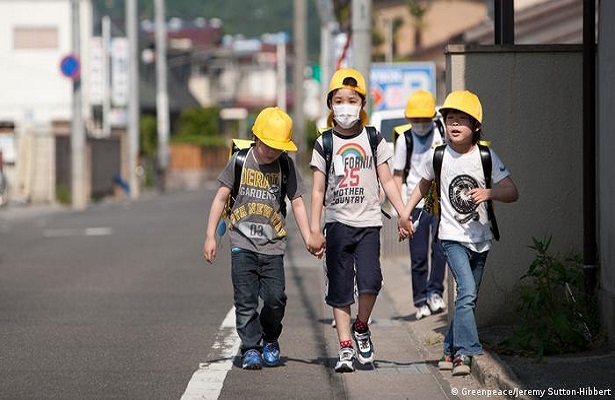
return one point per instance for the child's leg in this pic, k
(273, 293)
(464, 331)
(342, 323)
(369, 275)
(245, 290)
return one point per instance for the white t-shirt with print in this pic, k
(353, 190)
(460, 219)
(422, 151)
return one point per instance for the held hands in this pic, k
(316, 244)
(405, 226)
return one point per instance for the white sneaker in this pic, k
(423, 311)
(346, 361)
(435, 303)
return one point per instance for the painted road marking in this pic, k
(207, 381)
(68, 232)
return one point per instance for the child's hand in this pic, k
(316, 244)
(480, 195)
(209, 249)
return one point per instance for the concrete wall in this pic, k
(606, 172)
(532, 102)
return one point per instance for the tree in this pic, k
(418, 11)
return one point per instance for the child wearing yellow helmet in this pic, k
(465, 227)
(414, 146)
(352, 211)
(258, 234)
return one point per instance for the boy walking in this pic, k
(258, 236)
(467, 225)
(413, 147)
(349, 160)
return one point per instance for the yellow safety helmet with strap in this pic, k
(275, 128)
(338, 78)
(421, 104)
(463, 100)
(337, 82)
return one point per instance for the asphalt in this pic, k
(407, 351)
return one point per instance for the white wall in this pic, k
(33, 89)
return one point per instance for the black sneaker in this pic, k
(365, 347)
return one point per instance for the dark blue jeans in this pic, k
(257, 275)
(426, 281)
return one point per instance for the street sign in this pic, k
(392, 83)
(70, 66)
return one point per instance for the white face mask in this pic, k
(346, 114)
(422, 128)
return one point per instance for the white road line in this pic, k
(67, 232)
(207, 381)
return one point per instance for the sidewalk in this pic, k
(577, 376)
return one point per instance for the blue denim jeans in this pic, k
(466, 266)
(426, 281)
(257, 275)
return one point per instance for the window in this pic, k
(42, 37)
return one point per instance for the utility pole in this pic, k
(77, 140)
(133, 97)
(162, 95)
(362, 36)
(281, 70)
(328, 26)
(300, 33)
(106, 72)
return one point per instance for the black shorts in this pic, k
(351, 250)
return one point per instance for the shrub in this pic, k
(557, 316)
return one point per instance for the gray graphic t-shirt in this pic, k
(256, 222)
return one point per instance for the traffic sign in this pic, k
(70, 66)
(392, 83)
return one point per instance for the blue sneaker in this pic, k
(271, 353)
(252, 359)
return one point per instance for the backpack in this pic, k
(405, 130)
(241, 148)
(485, 158)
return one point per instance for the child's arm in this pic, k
(301, 218)
(390, 187)
(317, 240)
(215, 212)
(504, 191)
(419, 191)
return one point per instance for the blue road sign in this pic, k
(70, 66)
(392, 83)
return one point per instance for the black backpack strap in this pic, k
(440, 127)
(409, 148)
(485, 158)
(372, 134)
(285, 171)
(240, 160)
(438, 156)
(327, 148)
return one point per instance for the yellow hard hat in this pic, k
(337, 81)
(421, 104)
(274, 128)
(463, 100)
